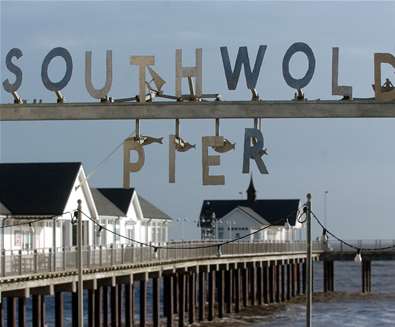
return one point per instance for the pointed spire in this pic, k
(251, 192)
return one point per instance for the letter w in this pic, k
(232, 77)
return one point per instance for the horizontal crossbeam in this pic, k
(198, 110)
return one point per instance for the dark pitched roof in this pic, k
(254, 215)
(150, 211)
(274, 211)
(4, 210)
(120, 197)
(104, 206)
(37, 188)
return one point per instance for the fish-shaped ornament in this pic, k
(182, 146)
(146, 140)
(227, 146)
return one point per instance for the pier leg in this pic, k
(288, 281)
(293, 279)
(155, 300)
(201, 296)
(11, 311)
(22, 312)
(1, 312)
(277, 282)
(237, 276)
(271, 284)
(98, 307)
(304, 272)
(211, 294)
(91, 307)
(325, 279)
(59, 309)
(191, 296)
(244, 277)
(129, 305)
(36, 308)
(265, 282)
(252, 280)
(74, 309)
(259, 284)
(298, 288)
(175, 293)
(332, 276)
(366, 276)
(105, 305)
(221, 292)
(120, 297)
(229, 290)
(283, 295)
(114, 306)
(168, 299)
(181, 299)
(42, 304)
(143, 302)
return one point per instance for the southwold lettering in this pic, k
(231, 74)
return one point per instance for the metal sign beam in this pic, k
(198, 110)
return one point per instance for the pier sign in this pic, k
(232, 73)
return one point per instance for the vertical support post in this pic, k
(293, 279)
(221, 292)
(192, 296)
(168, 296)
(271, 284)
(74, 309)
(244, 279)
(98, 307)
(298, 288)
(105, 305)
(114, 306)
(143, 302)
(265, 283)
(36, 307)
(175, 293)
(277, 282)
(42, 304)
(1, 312)
(288, 281)
(181, 302)
(80, 282)
(304, 273)
(229, 289)
(201, 295)
(59, 309)
(22, 311)
(237, 275)
(252, 280)
(155, 300)
(282, 272)
(120, 297)
(129, 305)
(326, 277)
(211, 294)
(91, 307)
(309, 268)
(11, 311)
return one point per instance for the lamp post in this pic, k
(80, 282)
(309, 286)
(325, 209)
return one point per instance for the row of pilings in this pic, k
(188, 295)
(177, 297)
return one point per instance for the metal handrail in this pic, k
(25, 262)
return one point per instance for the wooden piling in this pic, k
(298, 286)
(201, 295)
(114, 306)
(265, 283)
(98, 307)
(181, 299)
(59, 309)
(105, 305)
(191, 296)
(237, 283)
(366, 276)
(221, 292)
(36, 308)
(22, 311)
(11, 311)
(211, 294)
(244, 286)
(91, 307)
(155, 301)
(168, 299)
(143, 302)
(282, 277)
(252, 283)
(259, 284)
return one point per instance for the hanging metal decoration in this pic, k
(227, 145)
(143, 139)
(180, 144)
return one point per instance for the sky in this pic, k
(352, 159)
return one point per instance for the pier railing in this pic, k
(372, 245)
(26, 262)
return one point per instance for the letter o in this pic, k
(302, 82)
(57, 52)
